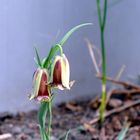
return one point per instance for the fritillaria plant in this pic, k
(52, 72)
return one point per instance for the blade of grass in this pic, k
(67, 134)
(123, 132)
(38, 58)
(35, 60)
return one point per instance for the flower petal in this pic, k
(40, 87)
(65, 72)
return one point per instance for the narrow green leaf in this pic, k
(36, 62)
(43, 61)
(38, 58)
(42, 113)
(67, 134)
(49, 119)
(43, 134)
(42, 119)
(123, 132)
(68, 34)
(53, 50)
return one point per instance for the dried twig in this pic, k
(125, 91)
(92, 54)
(116, 110)
(119, 82)
(116, 78)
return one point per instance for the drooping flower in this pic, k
(40, 89)
(60, 73)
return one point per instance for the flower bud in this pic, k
(60, 72)
(40, 87)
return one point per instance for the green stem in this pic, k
(102, 27)
(42, 119)
(99, 14)
(103, 58)
(49, 119)
(103, 96)
(105, 12)
(103, 104)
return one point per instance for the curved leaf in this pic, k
(68, 34)
(55, 48)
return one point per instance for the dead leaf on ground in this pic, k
(94, 103)
(115, 102)
(73, 106)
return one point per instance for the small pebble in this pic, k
(16, 130)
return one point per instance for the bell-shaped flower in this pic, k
(40, 89)
(60, 73)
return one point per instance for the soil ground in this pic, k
(72, 115)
